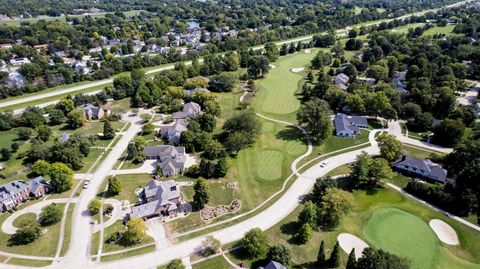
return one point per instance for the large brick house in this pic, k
(91, 112)
(158, 198)
(18, 191)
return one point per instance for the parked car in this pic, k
(323, 164)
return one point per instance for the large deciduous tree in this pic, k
(315, 116)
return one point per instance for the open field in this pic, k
(217, 262)
(447, 30)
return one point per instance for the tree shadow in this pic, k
(291, 134)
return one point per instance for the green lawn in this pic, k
(404, 29)
(420, 153)
(129, 184)
(120, 245)
(405, 235)
(447, 30)
(46, 245)
(214, 263)
(414, 216)
(276, 92)
(25, 218)
(68, 230)
(31, 263)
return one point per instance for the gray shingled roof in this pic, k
(274, 265)
(169, 157)
(427, 165)
(192, 108)
(162, 193)
(10, 189)
(344, 122)
(37, 183)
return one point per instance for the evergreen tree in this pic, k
(114, 186)
(334, 260)
(108, 132)
(352, 261)
(321, 258)
(201, 196)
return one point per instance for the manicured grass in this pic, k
(267, 160)
(420, 153)
(404, 29)
(404, 234)
(120, 245)
(32, 263)
(25, 218)
(217, 262)
(366, 204)
(341, 170)
(68, 230)
(129, 184)
(276, 92)
(334, 143)
(128, 254)
(447, 30)
(46, 245)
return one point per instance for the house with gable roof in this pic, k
(39, 187)
(424, 168)
(13, 193)
(273, 265)
(341, 80)
(92, 112)
(170, 159)
(192, 109)
(158, 198)
(173, 132)
(349, 126)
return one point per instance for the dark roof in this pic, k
(9, 189)
(37, 183)
(344, 122)
(274, 265)
(427, 165)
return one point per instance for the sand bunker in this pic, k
(445, 232)
(272, 66)
(349, 241)
(298, 69)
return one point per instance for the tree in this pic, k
(377, 72)
(223, 82)
(114, 186)
(279, 253)
(390, 147)
(271, 51)
(61, 177)
(50, 214)
(237, 141)
(380, 259)
(24, 133)
(26, 234)
(94, 206)
(352, 260)
(421, 122)
(213, 150)
(305, 233)
(448, 133)
(244, 122)
(254, 242)
(308, 214)
(65, 105)
(335, 203)
(321, 257)
(210, 246)
(41, 168)
(315, 116)
(75, 119)
(44, 133)
(201, 196)
(258, 66)
(108, 132)
(148, 128)
(6, 154)
(175, 264)
(56, 117)
(135, 230)
(334, 260)
(369, 172)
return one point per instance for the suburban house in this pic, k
(38, 187)
(341, 80)
(173, 132)
(169, 158)
(18, 191)
(398, 80)
(425, 168)
(274, 265)
(19, 61)
(92, 112)
(192, 109)
(158, 198)
(349, 126)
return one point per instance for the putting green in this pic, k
(276, 94)
(405, 235)
(268, 162)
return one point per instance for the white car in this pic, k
(323, 164)
(87, 184)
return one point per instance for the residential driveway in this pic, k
(117, 213)
(395, 129)
(7, 225)
(156, 230)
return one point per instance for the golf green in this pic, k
(405, 235)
